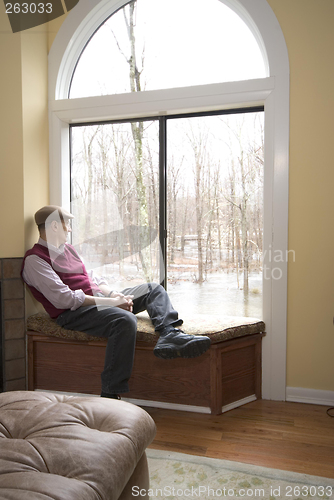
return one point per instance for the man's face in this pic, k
(66, 227)
(57, 230)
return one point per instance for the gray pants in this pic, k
(120, 327)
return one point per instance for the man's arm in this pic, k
(39, 274)
(125, 302)
(105, 289)
(117, 300)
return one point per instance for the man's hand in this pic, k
(116, 299)
(123, 301)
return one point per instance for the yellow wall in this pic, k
(307, 27)
(35, 127)
(24, 153)
(53, 27)
(11, 142)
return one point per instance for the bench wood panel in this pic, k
(228, 372)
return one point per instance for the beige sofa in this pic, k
(71, 448)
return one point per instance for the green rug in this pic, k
(178, 476)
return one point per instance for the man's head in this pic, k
(53, 223)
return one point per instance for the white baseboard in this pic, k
(197, 409)
(293, 395)
(238, 403)
(140, 402)
(166, 406)
(310, 396)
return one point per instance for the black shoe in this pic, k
(110, 396)
(177, 344)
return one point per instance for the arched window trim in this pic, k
(272, 92)
(96, 12)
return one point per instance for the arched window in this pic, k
(154, 44)
(83, 96)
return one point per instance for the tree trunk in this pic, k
(137, 134)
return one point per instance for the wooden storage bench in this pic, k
(226, 376)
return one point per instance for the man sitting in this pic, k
(58, 279)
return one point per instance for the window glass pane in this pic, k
(159, 44)
(215, 220)
(214, 208)
(115, 200)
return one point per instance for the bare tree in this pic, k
(89, 136)
(137, 128)
(173, 188)
(198, 143)
(137, 133)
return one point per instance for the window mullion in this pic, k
(163, 199)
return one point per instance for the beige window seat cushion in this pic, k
(219, 329)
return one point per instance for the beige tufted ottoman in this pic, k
(71, 448)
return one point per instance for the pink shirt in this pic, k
(39, 274)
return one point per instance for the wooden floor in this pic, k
(289, 436)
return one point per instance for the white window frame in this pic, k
(271, 91)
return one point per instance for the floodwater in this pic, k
(218, 295)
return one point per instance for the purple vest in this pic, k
(69, 268)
